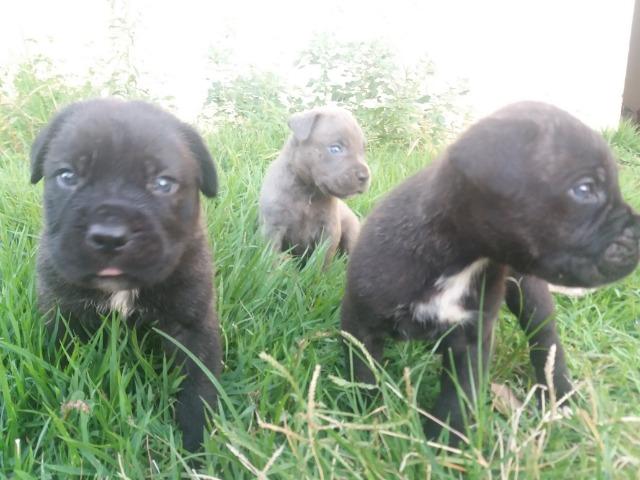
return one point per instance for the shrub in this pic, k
(253, 96)
(28, 97)
(396, 105)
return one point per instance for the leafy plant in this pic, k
(238, 98)
(396, 104)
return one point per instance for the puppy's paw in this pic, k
(192, 440)
(561, 394)
(445, 425)
(444, 435)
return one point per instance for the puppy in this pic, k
(122, 232)
(529, 187)
(322, 162)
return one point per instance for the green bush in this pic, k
(30, 96)
(254, 96)
(396, 105)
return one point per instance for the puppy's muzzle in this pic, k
(108, 237)
(110, 231)
(624, 250)
(621, 256)
(363, 176)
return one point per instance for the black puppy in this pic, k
(529, 187)
(122, 232)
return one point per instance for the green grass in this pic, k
(286, 410)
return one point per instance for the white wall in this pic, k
(569, 52)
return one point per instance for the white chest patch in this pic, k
(445, 306)
(123, 301)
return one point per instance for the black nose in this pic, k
(107, 237)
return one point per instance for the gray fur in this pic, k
(300, 200)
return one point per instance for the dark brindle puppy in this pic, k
(529, 187)
(122, 231)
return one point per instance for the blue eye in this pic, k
(585, 190)
(335, 148)
(164, 186)
(67, 178)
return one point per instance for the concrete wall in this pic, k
(631, 95)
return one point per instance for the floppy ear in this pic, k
(40, 145)
(208, 176)
(493, 154)
(302, 123)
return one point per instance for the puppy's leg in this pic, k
(350, 228)
(351, 322)
(465, 356)
(275, 236)
(202, 339)
(529, 299)
(330, 233)
(334, 242)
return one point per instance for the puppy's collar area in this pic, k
(122, 301)
(446, 304)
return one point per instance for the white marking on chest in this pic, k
(445, 306)
(123, 301)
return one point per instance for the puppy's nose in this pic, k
(107, 237)
(362, 175)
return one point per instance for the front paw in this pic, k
(446, 426)
(192, 439)
(191, 421)
(190, 413)
(562, 387)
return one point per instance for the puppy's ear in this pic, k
(494, 154)
(301, 124)
(40, 145)
(208, 175)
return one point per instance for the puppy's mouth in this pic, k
(619, 259)
(110, 272)
(326, 190)
(112, 279)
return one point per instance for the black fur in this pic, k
(504, 192)
(118, 150)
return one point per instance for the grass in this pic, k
(104, 409)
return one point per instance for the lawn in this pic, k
(286, 410)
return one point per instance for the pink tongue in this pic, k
(110, 272)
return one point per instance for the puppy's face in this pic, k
(121, 192)
(330, 151)
(548, 189)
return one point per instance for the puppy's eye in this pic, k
(335, 148)
(586, 190)
(164, 186)
(67, 178)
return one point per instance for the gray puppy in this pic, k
(322, 162)
(123, 232)
(529, 187)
